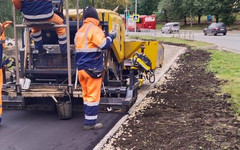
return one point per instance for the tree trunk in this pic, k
(199, 18)
(185, 20)
(166, 18)
(217, 18)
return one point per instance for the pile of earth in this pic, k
(187, 111)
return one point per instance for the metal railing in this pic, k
(18, 88)
(187, 35)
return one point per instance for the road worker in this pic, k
(90, 40)
(2, 45)
(42, 10)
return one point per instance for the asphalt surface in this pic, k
(230, 42)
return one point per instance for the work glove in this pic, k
(113, 34)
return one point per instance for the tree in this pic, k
(6, 14)
(166, 10)
(111, 4)
(199, 9)
(223, 8)
(104, 4)
(147, 7)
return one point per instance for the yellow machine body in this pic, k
(123, 49)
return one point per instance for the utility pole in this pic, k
(135, 14)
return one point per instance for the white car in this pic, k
(9, 42)
(171, 27)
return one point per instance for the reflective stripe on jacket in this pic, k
(88, 43)
(1, 53)
(37, 10)
(2, 44)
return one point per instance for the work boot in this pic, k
(93, 127)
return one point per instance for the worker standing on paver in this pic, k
(2, 45)
(89, 43)
(42, 10)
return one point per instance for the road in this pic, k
(39, 130)
(230, 41)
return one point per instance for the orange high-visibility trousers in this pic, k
(55, 19)
(91, 91)
(61, 32)
(1, 84)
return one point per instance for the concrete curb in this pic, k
(100, 145)
(207, 47)
(212, 47)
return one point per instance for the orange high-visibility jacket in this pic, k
(89, 40)
(2, 35)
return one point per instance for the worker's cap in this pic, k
(90, 12)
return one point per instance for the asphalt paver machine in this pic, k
(47, 82)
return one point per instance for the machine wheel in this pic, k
(135, 95)
(125, 108)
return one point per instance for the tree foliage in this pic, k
(180, 9)
(166, 10)
(105, 4)
(6, 12)
(145, 7)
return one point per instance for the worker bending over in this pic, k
(42, 10)
(89, 43)
(2, 45)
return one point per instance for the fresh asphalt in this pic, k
(39, 130)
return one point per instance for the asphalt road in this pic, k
(229, 42)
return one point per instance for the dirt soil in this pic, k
(186, 112)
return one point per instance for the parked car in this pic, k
(171, 27)
(216, 28)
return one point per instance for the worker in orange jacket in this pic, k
(90, 40)
(42, 10)
(2, 45)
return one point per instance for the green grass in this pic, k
(193, 44)
(159, 26)
(226, 65)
